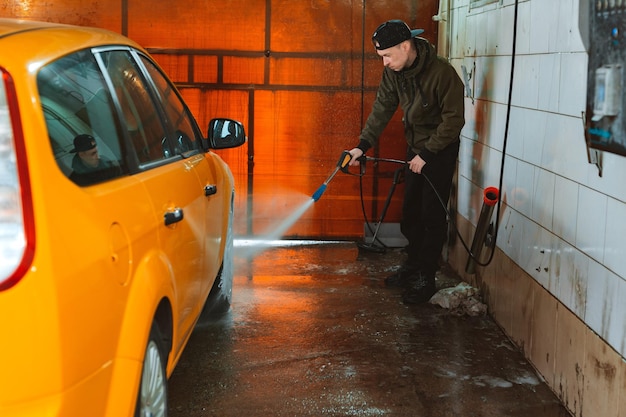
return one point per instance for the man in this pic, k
(431, 95)
(87, 165)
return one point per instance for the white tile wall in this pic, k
(466, 160)
(493, 162)
(542, 258)
(522, 194)
(561, 222)
(572, 272)
(501, 78)
(602, 298)
(509, 180)
(471, 28)
(615, 241)
(455, 4)
(549, 70)
(568, 36)
(492, 25)
(504, 35)
(543, 198)
(482, 35)
(564, 148)
(464, 200)
(552, 275)
(480, 163)
(497, 119)
(458, 21)
(517, 127)
(543, 30)
(565, 209)
(484, 78)
(526, 87)
(469, 129)
(590, 227)
(535, 123)
(617, 330)
(530, 245)
(510, 233)
(573, 84)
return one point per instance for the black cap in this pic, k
(393, 32)
(83, 143)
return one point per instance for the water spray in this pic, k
(342, 164)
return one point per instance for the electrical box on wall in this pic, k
(603, 33)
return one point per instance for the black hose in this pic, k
(443, 204)
(505, 140)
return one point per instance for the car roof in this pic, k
(11, 26)
(29, 41)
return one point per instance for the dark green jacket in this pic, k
(431, 96)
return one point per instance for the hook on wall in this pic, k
(594, 156)
(467, 77)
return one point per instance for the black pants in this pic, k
(424, 220)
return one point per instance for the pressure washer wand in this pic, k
(375, 159)
(343, 162)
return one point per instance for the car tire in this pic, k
(152, 395)
(219, 299)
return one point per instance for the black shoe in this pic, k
(421, 290)
(401, 278)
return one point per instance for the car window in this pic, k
(183, 128)
(76, 102)
(142, 117)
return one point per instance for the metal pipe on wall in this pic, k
(443, 17)
(490, 198)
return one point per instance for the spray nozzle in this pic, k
(342, 164)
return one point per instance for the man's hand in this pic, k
(356, 153)
(417, 164)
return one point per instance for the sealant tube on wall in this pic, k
(490, 198)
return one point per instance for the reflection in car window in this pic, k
(182, 133)
(76, 102)
(141, 117)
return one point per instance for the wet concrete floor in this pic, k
(314, 332)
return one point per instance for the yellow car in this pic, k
(115, 223)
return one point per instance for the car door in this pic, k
(171, 182)
(186, 139)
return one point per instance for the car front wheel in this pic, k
(152, 398)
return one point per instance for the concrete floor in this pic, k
(314, 332)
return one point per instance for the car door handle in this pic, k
(210, 190)
(174, 216)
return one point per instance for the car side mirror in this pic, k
(225, 133)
